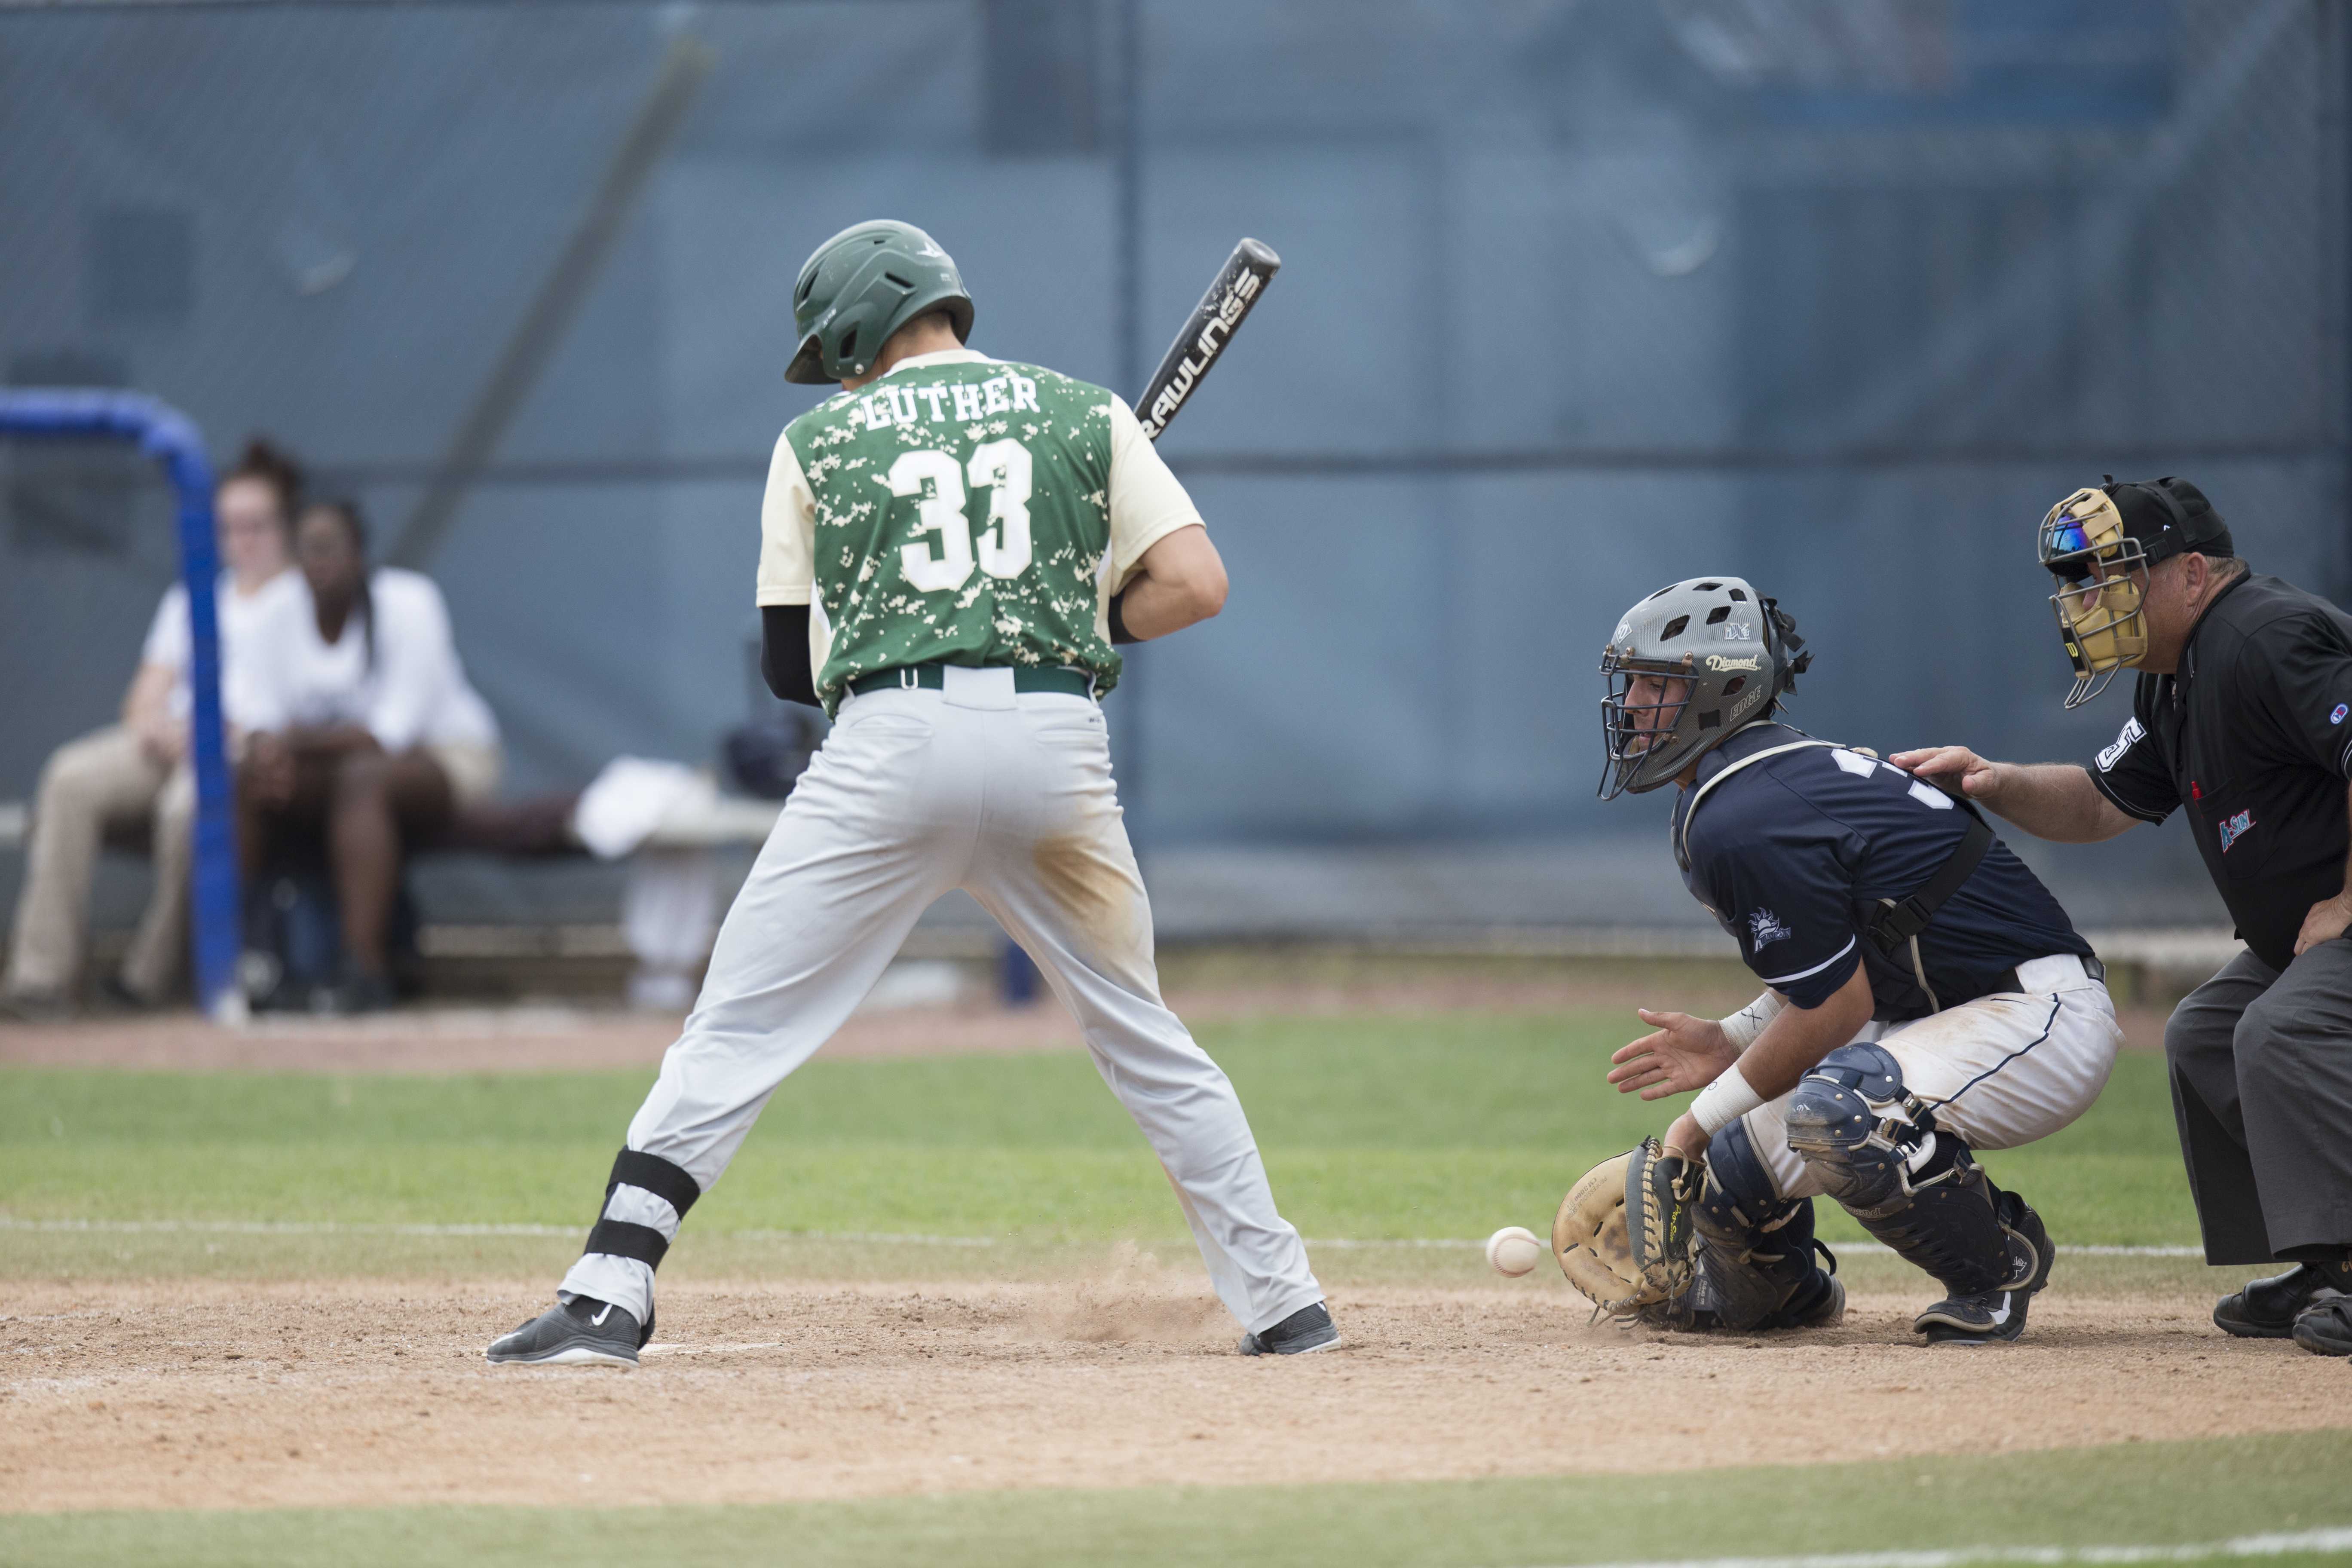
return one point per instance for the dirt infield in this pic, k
(566, 1039)
(204, 1395)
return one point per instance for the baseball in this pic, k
(1512, 1250)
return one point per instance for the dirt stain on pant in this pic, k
(1097, 883)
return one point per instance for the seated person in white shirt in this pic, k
(374, 736)
(137, 770)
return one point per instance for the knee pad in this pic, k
(1876, 1149)
(1756, 1250)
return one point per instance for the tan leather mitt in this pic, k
(1623, 1232)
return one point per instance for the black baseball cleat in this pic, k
(1820, 1304)
(2325, 1326)
(582, 1332)
(1308, 1330)
(1977, 1319)
(2267, 1309)
(2031, 1255)
(1984, 1317)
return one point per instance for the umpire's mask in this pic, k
(1686, 667)
(2100, 545)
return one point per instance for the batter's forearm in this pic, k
(1180, 582)
(784, 654)
(2056, 800)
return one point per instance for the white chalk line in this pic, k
(340, 1227)
(2337, 1538)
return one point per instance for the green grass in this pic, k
(2130, 1494)
(1377, 1128)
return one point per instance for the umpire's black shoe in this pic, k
(2267, 1309)
(582, 1332)
(1308, 1329)
(1981, 1318)
(2325, 1326)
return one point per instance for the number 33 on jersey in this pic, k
(963, 510)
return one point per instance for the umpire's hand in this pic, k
(2323, 922)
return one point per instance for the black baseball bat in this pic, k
(1220, 314)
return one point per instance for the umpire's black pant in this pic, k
(2261, 1084)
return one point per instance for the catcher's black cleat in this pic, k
(1983, 1317)
(1308, 1330)
(2267, 1309)
(1819, 1305)
(1980, 1318)
(2031, 1254)
(2325, 1326)
(582, 1332)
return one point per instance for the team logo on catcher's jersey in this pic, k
(2235, 829)
(2341, 709)
(1764, 929)
(2131, 732)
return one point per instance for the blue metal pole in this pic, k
(169, 436)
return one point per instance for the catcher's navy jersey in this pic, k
(1792, 852)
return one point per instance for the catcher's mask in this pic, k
(1686, 667)
(2100, 545)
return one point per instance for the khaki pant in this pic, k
(104, 780)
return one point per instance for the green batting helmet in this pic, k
(861, 286)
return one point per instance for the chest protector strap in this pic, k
(1895, 924)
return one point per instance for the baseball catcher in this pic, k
(1927, 999)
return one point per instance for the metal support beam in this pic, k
(560, 294)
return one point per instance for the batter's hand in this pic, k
(1955, 766)
(2325, 921)
(1683, 1054)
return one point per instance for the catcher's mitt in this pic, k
(1623, 1234)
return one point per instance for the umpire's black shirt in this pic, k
(1794, 852)
(2254, 733)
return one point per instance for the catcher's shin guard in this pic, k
(1756, 1263)
(1878, 1152)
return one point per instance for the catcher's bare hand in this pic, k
(1955, 766)
(1686, 1139)
(1683, 1054)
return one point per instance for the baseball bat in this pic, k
(1220, 314)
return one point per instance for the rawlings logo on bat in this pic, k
(1212, 338)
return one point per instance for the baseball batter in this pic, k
(1928, 997)
(949, 550)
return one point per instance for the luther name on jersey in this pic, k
(961, 509)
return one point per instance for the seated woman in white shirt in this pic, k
(375, 735)
(137, 770)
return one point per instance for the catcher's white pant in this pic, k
(1009, 797)
(1999, 1072)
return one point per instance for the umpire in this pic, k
(2240, 715)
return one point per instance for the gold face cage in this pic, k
(2102, 575)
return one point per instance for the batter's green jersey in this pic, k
(963, 510)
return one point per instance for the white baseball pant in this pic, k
(1009, 797)
(1999, 1072)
